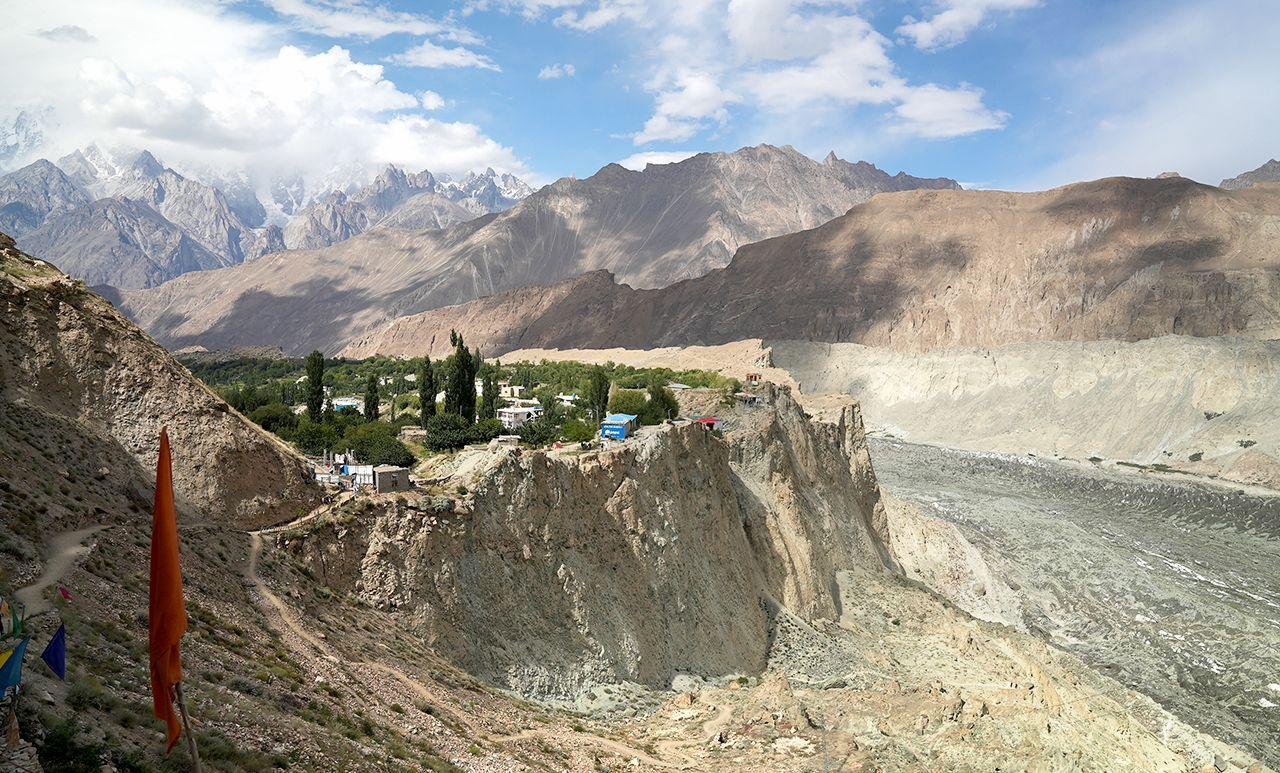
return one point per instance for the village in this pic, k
(385, 425)
(346, 471)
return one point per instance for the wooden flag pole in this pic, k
(186, 727)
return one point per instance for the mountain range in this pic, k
(650, 228)
(1118, 258)
(127, 220)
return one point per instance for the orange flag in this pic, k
(168, 613)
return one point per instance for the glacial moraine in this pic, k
(1171, 587)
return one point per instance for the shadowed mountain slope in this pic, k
(650, 228)
(1118, 258)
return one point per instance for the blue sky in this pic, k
(1019, 94)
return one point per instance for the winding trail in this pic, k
(66, 548)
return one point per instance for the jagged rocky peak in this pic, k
(1267, 173)
(29, 194)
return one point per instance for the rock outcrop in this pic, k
(650, 228)
(1118, 258)
(72, 367)
(1267, 173)
(668, 554)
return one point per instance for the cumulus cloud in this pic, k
(428, 54)
(638, 161)
(67, 33)
(934, 112)
(554, 71)
(954, 20)
(218, 89)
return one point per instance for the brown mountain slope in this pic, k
(1117, 258)
(70, 365)
(650, 228)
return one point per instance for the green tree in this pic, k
(275, 417)
(328, 416)
(371, 398)
(538, 432)
(460, 392)
(447, 431)
(552, 410)
(315, 439)
(578, 431)
(662, 403)
(315, 386)
(485, 430)
(426, 391)
(630, 401)
(489, 399)
(595, 395)
(375, 442)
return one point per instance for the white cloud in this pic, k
(683, 107)
(428, 54)
(218, 89)
(638, 161)
(553, 71)
(933, 112)
(773, 60)
(954, 20)
(601, 14)
(355, 19)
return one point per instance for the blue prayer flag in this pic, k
(55, 653)
(11, 671)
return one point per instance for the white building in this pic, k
(567, 399)
(515, 417)
(510, 391)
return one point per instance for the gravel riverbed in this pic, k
(1171, 587)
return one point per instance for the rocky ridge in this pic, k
(1118, 258)
(1267, 173)
(130, 225)
(420, 201)
(650, 228)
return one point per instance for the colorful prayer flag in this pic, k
(167, 613)
(64, 593)
(55, 652)
(11, 671)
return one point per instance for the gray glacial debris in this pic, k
(1170, 587)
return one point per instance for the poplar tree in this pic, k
(426, 391)
(371, 398)
(489, 400)
(315, 386)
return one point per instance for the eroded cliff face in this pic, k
(668, 554)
